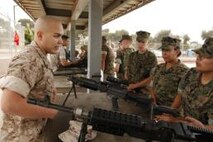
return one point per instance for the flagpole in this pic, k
(14, 20)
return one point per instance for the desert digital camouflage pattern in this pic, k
(29, 74)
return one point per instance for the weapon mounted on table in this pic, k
(135, 126)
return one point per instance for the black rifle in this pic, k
(135, 126)
(117, 89)
(114, 87)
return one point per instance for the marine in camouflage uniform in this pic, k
(195, 91)
(140, 65)
(30, 75)
(110, 58)
(123, 56)
(165, 78)
(197, 97)
(140, 62)
(166, 81)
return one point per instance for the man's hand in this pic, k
(131, 87)
(194, 122)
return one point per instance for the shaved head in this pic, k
(43, 23)
(47, 33)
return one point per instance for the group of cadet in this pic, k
(171, 83)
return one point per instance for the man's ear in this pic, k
(39, 35)
(178, 52)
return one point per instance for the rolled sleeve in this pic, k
(62, 53)
(15, 84)
(104, 52)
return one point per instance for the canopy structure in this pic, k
(83, 15)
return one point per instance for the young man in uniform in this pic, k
(30, 75)
(107, 59)
(195, 92)
(166, 76)
(61, 60)
(123, 56)
(140, 64)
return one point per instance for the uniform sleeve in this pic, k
(182, 71)
(183, 82)
(104, 50)
(152, 64)
(118, 57)
(22, 75)
(129, 62)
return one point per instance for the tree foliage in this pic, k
(4, 26)
(206, 34)
(115, 37)
(28, 31)
(161, 34)
(186, 39)
(26, 22)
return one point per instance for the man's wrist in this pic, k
(53, 113)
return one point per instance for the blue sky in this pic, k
(180, 16)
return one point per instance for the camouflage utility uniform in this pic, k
(197, 99)
(122, 59)
(166, 81)
(140, 65)
(30, 75)
(109, 63)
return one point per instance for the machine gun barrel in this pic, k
(46, 103)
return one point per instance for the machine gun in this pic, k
(113, 87)
(117, 89)
(117, 123)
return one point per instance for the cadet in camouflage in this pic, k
(108, 58)
(140, 62)
(166, 76)
(195, 91)
(30, 75)
(123, 56)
